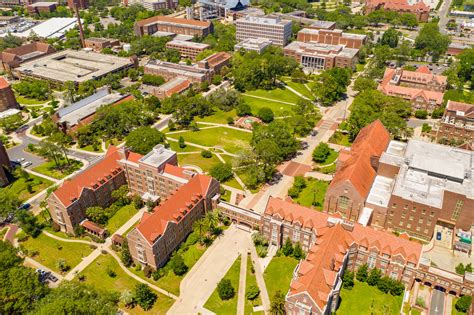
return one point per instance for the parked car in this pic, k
(25, 206)
(25, 164)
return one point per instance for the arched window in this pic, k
(343, 202)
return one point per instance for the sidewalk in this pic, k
(242, 282)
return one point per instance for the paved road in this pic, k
(437, 302)
(443, 15)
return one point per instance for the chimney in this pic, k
(81, 30)
(124, 152)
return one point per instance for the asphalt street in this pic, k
(437, 302)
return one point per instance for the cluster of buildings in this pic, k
(173, 25)
(419, 8)
(153, 5)
(422, 88)
(72, 4)
(456, 125)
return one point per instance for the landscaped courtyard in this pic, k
(58, 171)
(365, 299)
(313, 194)
(19, 185)
(120, 218)
(105, 273)
(218, 306)
(48, 251)
(278, 274)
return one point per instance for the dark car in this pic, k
(24, 206)
(52, 278)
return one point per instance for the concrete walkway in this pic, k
(269, 99)
(260, 280)
(242, 283)
(29, 262)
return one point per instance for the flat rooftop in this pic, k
(52, 28)
(429, 169)
(381, 191)
(187, 44)
(323, 24)
(157, 156)
(264, 20)
(179, 69)
(253, 43)
(339, 32)
(76, 66)
(315, 49)
(87, 106)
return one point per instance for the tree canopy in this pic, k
(431, 41)
(143, 139)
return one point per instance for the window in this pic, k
(372, 259)
(296, 235)
(404, 214)
(411, 218)
(343, 202)
(457, 210)
(394, 205)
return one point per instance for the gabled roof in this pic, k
(3, 83)
(463, 109)
(399, 5)
(175, 208)
(91, 178)
(357, 169)
(27, 50)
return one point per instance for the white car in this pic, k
(26, 164)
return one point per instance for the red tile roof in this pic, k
(316, 274)
(371, 141)
(3, 83)
(174, 208)
(72, 189)
(91, 226)
(467, 109)
(175, 170)
(218, 58)
(399, 5)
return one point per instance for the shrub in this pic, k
(262, 251)
(421, 114)
(287, 248)
(259, 239)
(374, 277)
(420, 302)
(321, 152)
(157, 274)
(225, 289)
(138, 267)
(81, 277)
(181, 143)
(230, 120)
(383, 284)
(62, 265)
(206, 154)
(221, 172)
(178, 265)
(147, 271)
(126, 256)
(425, 128)
(144, 296)
(460, 269)
(151, 79)
(111, 273)
(293, 192)
(362, 273)
(252, 293)
(265, 114)
(463, 304)
(348, 280)
(55, 227)
(127, 298)
(298, 252)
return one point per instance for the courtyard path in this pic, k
(242, 283)
(269, 99)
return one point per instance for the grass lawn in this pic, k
(51, 250)
(50, 169)
(360, 67)
(90, 148)
(299, 87)
(331, 158)
(278, 274)
(198, 160)
(19, 188)
(280, 94)
(279, 109)
(188, 148)
(96, 275)
(218, 306)
(307, 196)
(250, 280)
(4, 230)
(219, 117)
(226, 195)
(29, 101)
(113, 141)
(340, 138)
(231, 140)
(364, 299)
(228, 159)
(120, 218)
(233, 183)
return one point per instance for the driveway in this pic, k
(437, 302)
(202, 279)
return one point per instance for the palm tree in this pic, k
(212, 218)
(199, 225)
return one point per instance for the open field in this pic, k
(280, 94)
(120, 218)
(50, 169)
(278, 274)
(19, 186)
(198, 160)
(279, 109)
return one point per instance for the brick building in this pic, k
(92, 187)
(332, 37)
(7, 98)
(41, 7)
(457, 123)
(274, 29)
(356, 170)
(4, 165)
(11, 58)
(423, 89)
(177, 85)
(153, 176)
(158, 234)
(97, 44)
(419, 9)
(422, 189)
(216, 61)
(173, 25)
(315, 56)
(153, 5)
(187, 49)
(333, 245)
(169, 71)
(253, 44)
(80, 4)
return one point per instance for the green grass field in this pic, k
(278, 275)
(97, 276)
(340, 138)
(250, 280)
(188, 148)
(219, 117)
(198, 160)
(307, 195)
(279, 109)
(280, 94)
(51, 250)
(90, 148)
(231, 140)
(233, 183)
(29, 101)
(19, 186)
(120, 218)
(364, 299)
(50, 169)
(218, 306)
(299, 87)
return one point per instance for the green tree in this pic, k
(364, 83)
(278, 304)
(390, 37)
(408, 20)
(265, 114)
(466, 64)
(298, 252)
(362, 273)
(374, 276)
(460, 269)
(321, 152)
(287, 247)
(430, 40)
(151, 79)
(222, 172)
(243, 109)
(28, 223)
(8, 256)
(144, 296)
(348, 280)
(421, 114)
(143, 139)
(9, 202)
(177, 265)
(225, 289)
(252, 293)
(121, 195)
(125, 255)
(97, 215)
(464, 303)
(181, 142)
